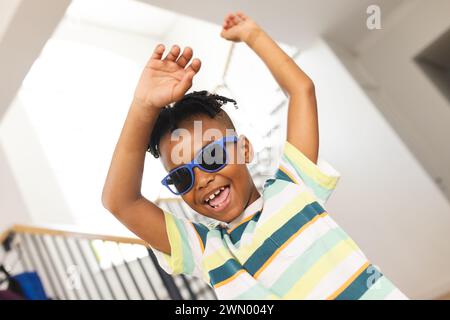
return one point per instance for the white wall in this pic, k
(7, 11)
(29, 190)
(24, 28)
(384, 200)
(415, 107)
(12, 205)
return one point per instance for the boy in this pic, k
(278, 245)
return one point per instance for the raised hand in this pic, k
(238, 27)
(164, 81)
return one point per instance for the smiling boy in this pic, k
(280, 244)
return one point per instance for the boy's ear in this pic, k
(245, 150)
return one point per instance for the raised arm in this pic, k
(162, 82)
(302, 126)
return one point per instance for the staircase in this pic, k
(73, 265)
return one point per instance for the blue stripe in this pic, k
(279, 237)
(236, 234)
(268, 182)
(225, 271)
(202, 231)
(282, 176)
(361, 284)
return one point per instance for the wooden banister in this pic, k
(69, 232)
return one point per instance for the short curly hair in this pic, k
(194, 103)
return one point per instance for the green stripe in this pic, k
(237, 233)
(188, 259)
(280, 236)
(274, 189)
(320, 191)
(306, 261)
(250, 228)
(257, 292)
(214, 233)
(380, 290)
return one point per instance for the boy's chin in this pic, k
(227, 216)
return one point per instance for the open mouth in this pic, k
(218, 199)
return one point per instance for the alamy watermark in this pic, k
(372, 280)
(190, 141)
(373, 21)
(73, 277)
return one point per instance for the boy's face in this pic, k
(234, 182)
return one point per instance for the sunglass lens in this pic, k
(180, 180)
(213, 157)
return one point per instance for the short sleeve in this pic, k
(187, 242)
(320, 178)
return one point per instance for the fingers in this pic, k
(241, 15)
(158, 52)
(194, 67)
(173, 53)
(185, 57)
(234, 18)
(229, 21)
(186, 82)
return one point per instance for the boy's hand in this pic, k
(164, 81)
(239, 27)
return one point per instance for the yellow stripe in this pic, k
(277, 220)
(217, 258)
(323, 266)
(234, 276)
(264, 266)
(348, 282)
(309, 167)
(175, 259)
(286, 172)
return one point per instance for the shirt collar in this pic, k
(253, 208)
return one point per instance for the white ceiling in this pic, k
(124, 15)
(7, 10)
(303, 20)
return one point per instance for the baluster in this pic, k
(63, 261)
(88, 267)
(63, 289)
(127, 266)
(44, 265)
(119, 278)
(105, 278)
(72, 257)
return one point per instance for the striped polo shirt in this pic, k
(283, 246)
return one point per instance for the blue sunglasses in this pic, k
(211, 158)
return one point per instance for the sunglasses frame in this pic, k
(193, 164)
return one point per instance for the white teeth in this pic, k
(213, 195)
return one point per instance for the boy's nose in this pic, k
(202, 179)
